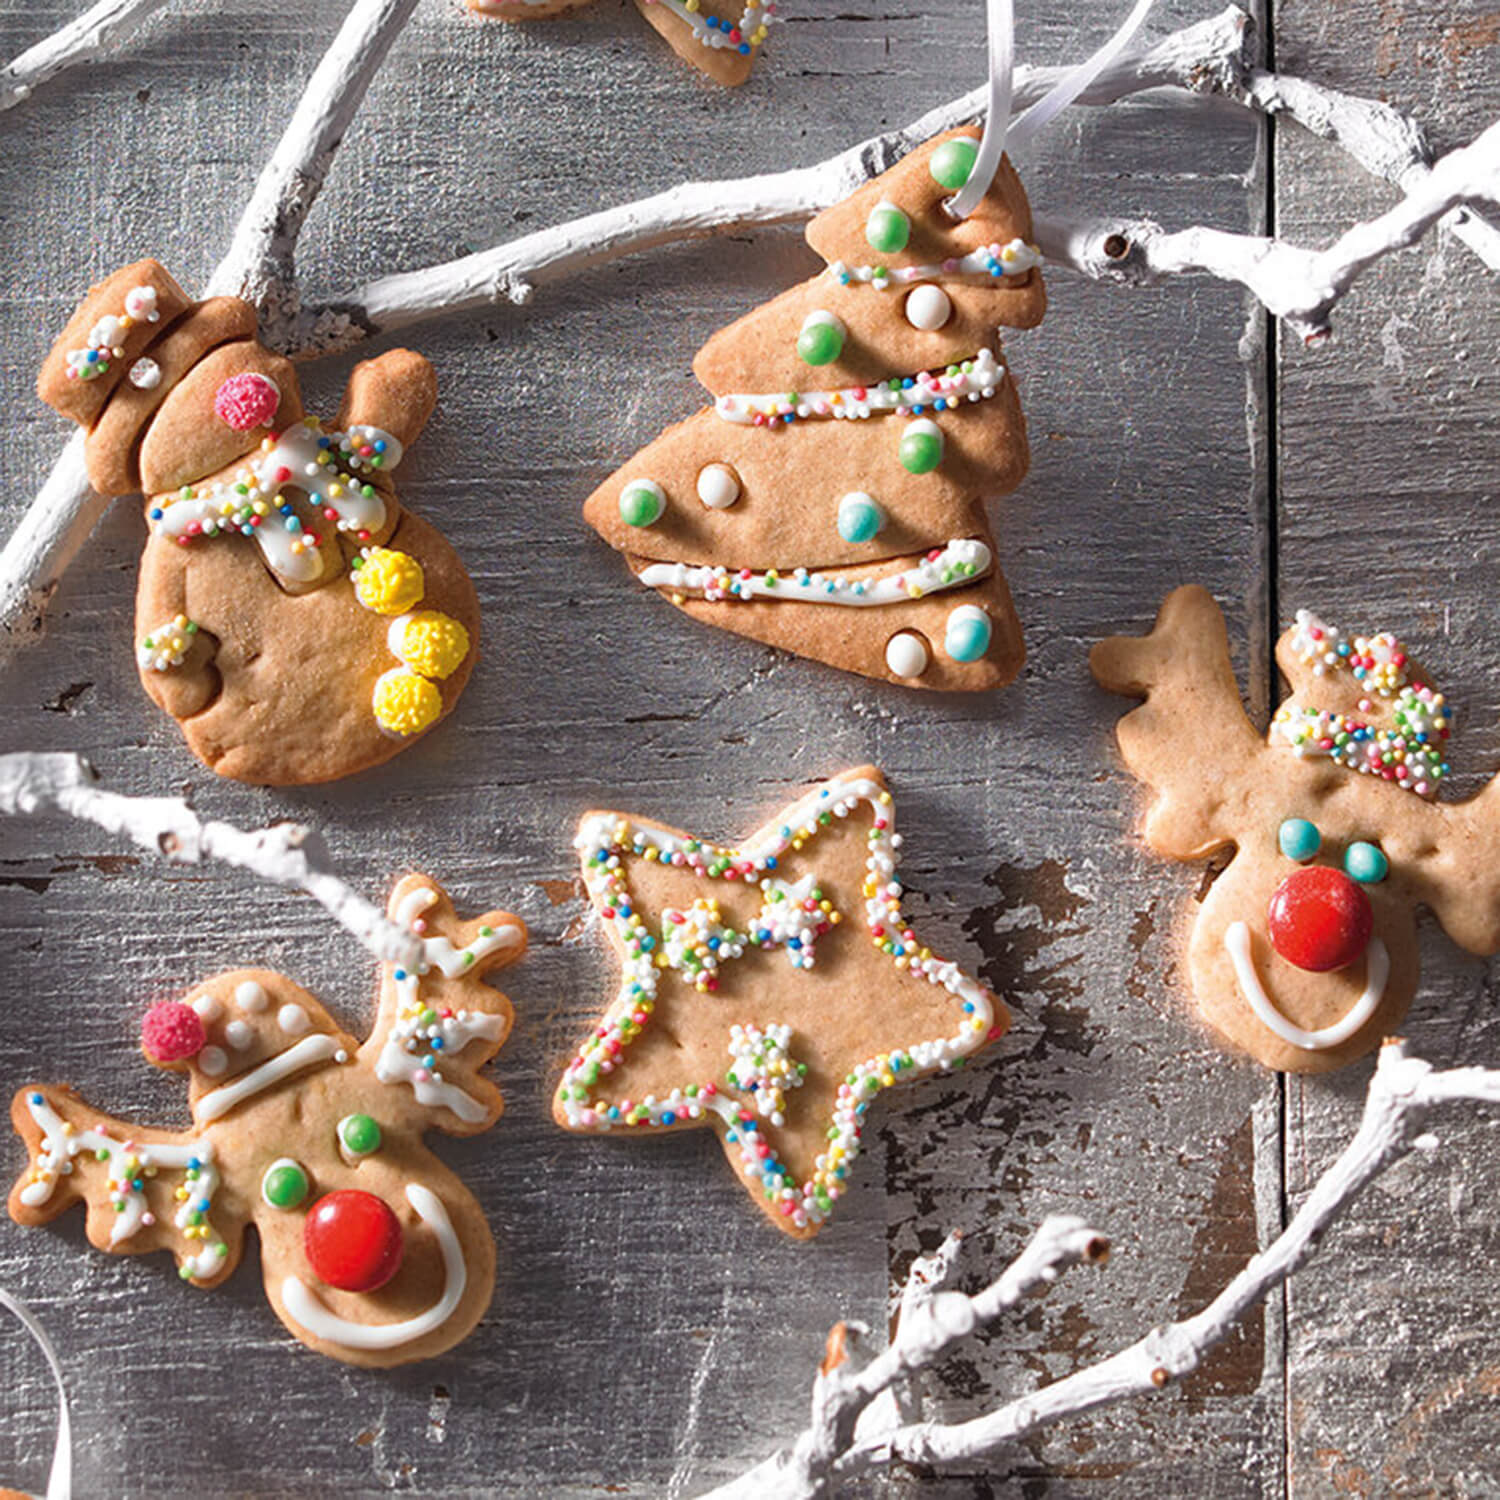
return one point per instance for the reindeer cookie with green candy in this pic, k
(291, 615)
(770, 992)
(1304, 951)
(721, 38)
(371, 1250)
(830, 501)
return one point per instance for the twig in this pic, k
(256, 265)
(285, 854)
(100, 27)
(1402, 1094)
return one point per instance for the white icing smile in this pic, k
(1377, 971)
(303, 1054)
(305, 1307)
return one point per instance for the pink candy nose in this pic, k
(1319, 919)
(246, 401)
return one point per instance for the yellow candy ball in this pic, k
(405, 703)
(388, 582)
(429, 642)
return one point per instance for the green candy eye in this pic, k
(821, 340)
(1366, 863)
(1299, 839)
(285, 1184)
(359, 1135)
(887, 229)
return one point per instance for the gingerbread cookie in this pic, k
(845, 522)
(769, 992)
(1304, 952)
(295, 620)
(372, 1251)
(720, 38)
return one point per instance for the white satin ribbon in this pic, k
(60, 1480)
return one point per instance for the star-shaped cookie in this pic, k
(771, 991)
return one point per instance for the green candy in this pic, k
(921, 449)
(821, 340)
(285, 1184)
(953, 161)
(642, 502)
(887, 229)
(359, 1135)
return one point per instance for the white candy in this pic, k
(906, 654)
(718, 486)
(249, 996)
(928, 308)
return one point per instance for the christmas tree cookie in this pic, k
(372, 1251)
(830, 501)
(294, 618)
(720, 37)
(770, 992)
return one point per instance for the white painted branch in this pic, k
(1300, 286)
(1402, 1095)
(933, 1319)
(102, 26)
(1204, 56)
(258, 265)
(285, 854)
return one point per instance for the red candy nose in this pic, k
(246, 401)
(1320, 919)
(352, 1241)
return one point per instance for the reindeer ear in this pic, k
(1190, 741)
(1452, 863)
(418, 902)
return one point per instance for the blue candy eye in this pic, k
(1366, 863)
(1299, 839)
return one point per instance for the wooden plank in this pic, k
(1387, 450)
(649, 1334)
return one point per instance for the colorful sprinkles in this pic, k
(760, 1061)
(1410, 751)
(995, 261)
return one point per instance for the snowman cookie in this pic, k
(294, 618)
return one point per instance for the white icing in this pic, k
(785, 916)
(299, 460)
(990, 261)
(208, 1008)
(212, 1061)
(304, 1306)
(1377, 970)
(293, 1019)
(251, 996)
(304, 1054)
(752, 21)
(975, 379)
(762, 1066)
(958, 564)
(130, 1163)
(145, 374)
(107, 336)
(239, 1035)
(421, 1035)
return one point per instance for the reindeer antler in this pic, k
(1191, 733)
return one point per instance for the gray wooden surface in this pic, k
(649, 1333)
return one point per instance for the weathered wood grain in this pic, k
(649, 1334)
(1386, 467)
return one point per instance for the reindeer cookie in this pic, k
(291, 616)
(720, 38)
(771, 992)
(1304, 952)
(372, 1251)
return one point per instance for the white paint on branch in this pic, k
(285, 854)
(837, 1448)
